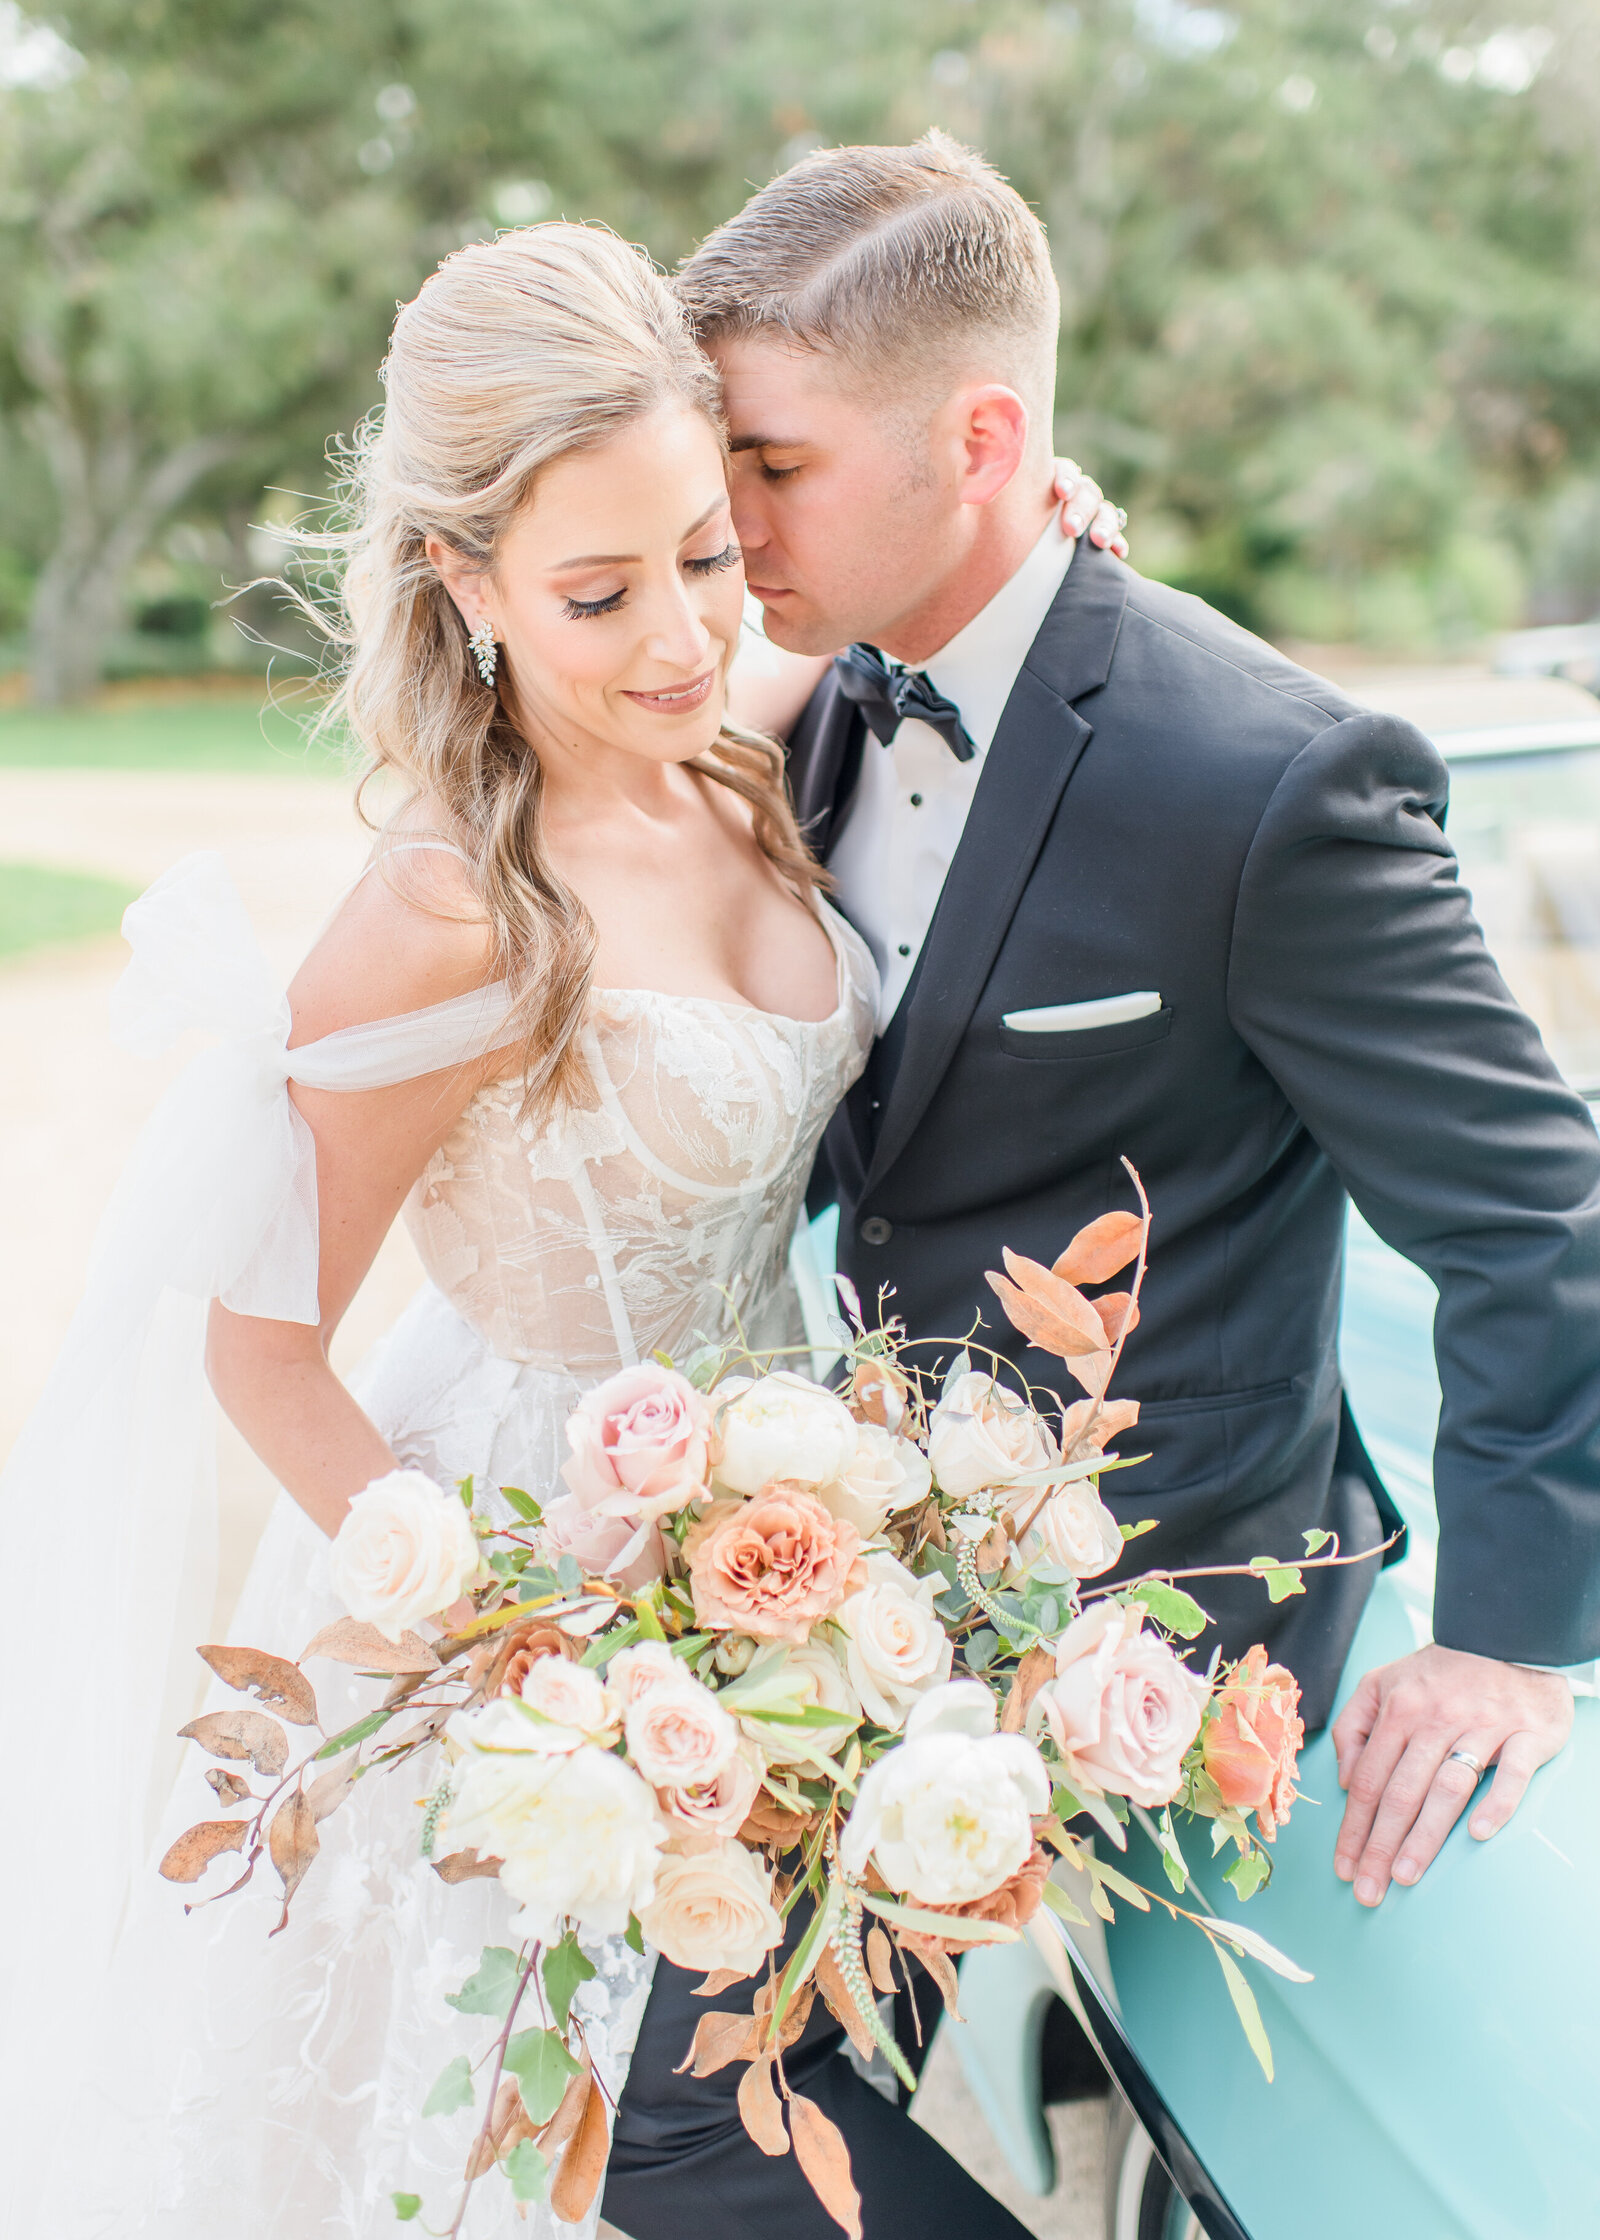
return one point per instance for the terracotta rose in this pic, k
(1013, 1905)
(509, 1657)
(1251, 1748)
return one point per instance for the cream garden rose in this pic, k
(1074, 1528)
(404, 1552)
(782, 1427)
(980, 1436)
(1122, 1708)
(570, 1704)
(790, 1677)
(947, 1815)
(896, 1647)
(678, 1734)
(713, 1909)
(884, 1475)
(709, 1813)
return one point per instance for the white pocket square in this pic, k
(1099, 1011)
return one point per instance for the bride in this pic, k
(580, 1024)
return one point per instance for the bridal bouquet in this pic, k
(777, 1652)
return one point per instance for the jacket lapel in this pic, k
(1033, 754)
(824, 762)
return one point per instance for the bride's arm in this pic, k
(381, 957)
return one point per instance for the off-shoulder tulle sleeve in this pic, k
(108, 1502)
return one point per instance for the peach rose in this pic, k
(1013, 1905)
(632, 1673)
(770, 1566)
(640, 1445)
(713, 1909)
(504, 1663)
(1251, 1748)
(704, 1816)
(1122, 1709)
(679, 1736)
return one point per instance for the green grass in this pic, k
(40, 907)
(222, 731)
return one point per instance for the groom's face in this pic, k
(840, 503)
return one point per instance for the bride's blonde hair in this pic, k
(515, 353)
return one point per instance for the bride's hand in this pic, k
(1086, 508)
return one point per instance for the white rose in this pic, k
(633, 1672)
(782, 1426)
(897, 1649)
(947, 1815)
(578, 1834)
(713, 1909)
(679, 1736)
(884, 1475)
(1075, 1529)
(572, 1703)
(981, 1436)
(790, 1677)
(404, 1551)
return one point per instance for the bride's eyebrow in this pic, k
(624, 559)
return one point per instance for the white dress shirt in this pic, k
(910, 808)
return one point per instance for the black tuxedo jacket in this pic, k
(1170, 805)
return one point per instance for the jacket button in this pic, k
(875, 1230)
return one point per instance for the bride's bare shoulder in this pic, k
(412, 932)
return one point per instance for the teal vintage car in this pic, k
(1439, 2079)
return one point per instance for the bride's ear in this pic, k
(464, 582)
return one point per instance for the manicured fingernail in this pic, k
(1075, 524)
(1367, 1891)
(1344, 1868)
(1405, 1870)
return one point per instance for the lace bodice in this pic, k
(662, 1206)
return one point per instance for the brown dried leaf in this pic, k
(271, 1680)
(1053, 1314)
(719, 1980)
(241, 1734)
(760, 2110)
(1102, 1250)
(330, 1788)
(1119, 1313)
(823, 2156)
(719, 2039)
(187, 1859)
(466, 1866)
(564, 2122)
(943, 1971)
(507, 2124)
(797, 2015)
(880, 1959)
(1037, 1666)
(348, 1641)
(231, 1788)
(836, 1992)
(583, 2164)
(292, 1843)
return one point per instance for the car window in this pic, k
(1527, 830)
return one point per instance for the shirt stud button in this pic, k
(905, 948)
(916, 801)
(875, 1230)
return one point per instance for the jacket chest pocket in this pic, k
(1075, 1044)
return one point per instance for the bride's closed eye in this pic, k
(576, 610)
(728, 557)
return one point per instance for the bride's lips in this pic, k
(678, 699)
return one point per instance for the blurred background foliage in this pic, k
(1330, 269)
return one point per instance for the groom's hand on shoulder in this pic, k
(1404, 1789)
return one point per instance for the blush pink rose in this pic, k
(704, 1816)
(640, 1445)
(633, 1672)
(770, 1566)
(1121, 1709)
(606, 1547)
(679, 1736)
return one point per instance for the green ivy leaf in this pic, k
(1247, 1872)
(358, 1733)
(492, 1986)
(1280, 1579)
(566, 1965)
(1315, 1541)
(406, 2206)
(541, 2065)
(1169, 1606)
(527, 2169)
(1137, 1531)
(452, 2090)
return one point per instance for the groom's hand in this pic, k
(1405, 1791)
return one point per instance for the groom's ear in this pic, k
(988, 431)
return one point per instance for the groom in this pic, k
(1138, 885)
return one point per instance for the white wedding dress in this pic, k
(232, 2087)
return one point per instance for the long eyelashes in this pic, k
(578, 610)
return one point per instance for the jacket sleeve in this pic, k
(1361, 981)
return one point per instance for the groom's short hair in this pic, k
(914, 265)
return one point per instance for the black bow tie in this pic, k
(887, 696)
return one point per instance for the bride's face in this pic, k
(617, 594)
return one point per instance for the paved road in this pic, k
(70, 1106)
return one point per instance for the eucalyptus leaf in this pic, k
(633, 1936)
(1251, 1941)
(358, 1733)
(937, 1924)
(523, 1503)
(541, 2065)
(452, 2088)
(1244, 2000)
(566, 1965)
(492, 1986)
(980, 1649)
(570, 1573)
(1059, 1903)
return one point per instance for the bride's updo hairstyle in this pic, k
(517, 352)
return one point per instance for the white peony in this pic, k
(679, 1736)
(782, 1427)
(577, 1833)
(790, 1677)
(1075, 1529)
(883, 1476)
(947, 1815)
(404, 1552)
(713, 1909)
(981, 1436)
(896, 1647)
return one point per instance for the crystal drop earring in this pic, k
(484, 651)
